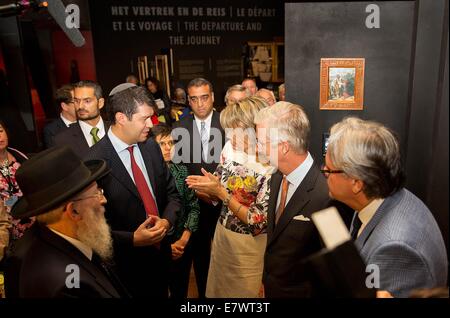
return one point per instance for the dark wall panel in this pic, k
(338, 30)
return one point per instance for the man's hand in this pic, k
(150, 232)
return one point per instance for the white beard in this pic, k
(95, 233)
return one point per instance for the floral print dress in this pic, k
(248, 181)
(237, 253)
(10, 193)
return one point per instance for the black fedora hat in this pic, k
(51, 177)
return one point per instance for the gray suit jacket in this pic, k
(404, 240)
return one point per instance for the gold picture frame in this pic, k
(342, 83)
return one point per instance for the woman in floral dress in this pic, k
(241, 182)
(10, 160)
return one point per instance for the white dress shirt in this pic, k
(124, 155)
(367, 213)
(295, 178)
(207, 121)
(86, 129)
(66, 121)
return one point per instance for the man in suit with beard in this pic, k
(143, 201)
(200, 139)
(63, 254)
(90, 128)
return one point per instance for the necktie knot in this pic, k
(94, 134)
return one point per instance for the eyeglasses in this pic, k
(326, 172)
(196, 99)
(99, 195)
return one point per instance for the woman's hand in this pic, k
(208, 183)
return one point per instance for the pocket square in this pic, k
(301, 217)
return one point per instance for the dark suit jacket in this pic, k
(290, 241)
(74, 138)
(189, 141)
(51, 130)
(38, 264)
(141, 269)
(193, 144)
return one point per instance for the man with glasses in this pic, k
(67, 250)
(90, 127)
(297, 190)
(392, 228)
(200, 140)
(64, 100)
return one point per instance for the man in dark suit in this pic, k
(64, 99)
(200, 140)
(297, 190)
(143, 201)
(61, 254)
(90, 127)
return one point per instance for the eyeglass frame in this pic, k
(100, 193)
(326, 172)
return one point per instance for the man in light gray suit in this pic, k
(392, 228)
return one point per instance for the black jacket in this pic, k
(40, 265)
(51, 130)
(143, 270)
(291, 241)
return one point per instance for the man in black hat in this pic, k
(62, 253)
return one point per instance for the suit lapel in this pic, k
(275, 184)
(80, 259)
(118, 170)
(384, 208)
(297, 202)
(79, 138)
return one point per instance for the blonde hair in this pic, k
(242, 114)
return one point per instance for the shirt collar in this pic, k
(83, 248)
(117, 143)
(65, 120)
(207, 120)
(88, 127)
(296, 177)
(366, 214)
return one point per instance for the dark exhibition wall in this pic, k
(405, 80)
(207, 37)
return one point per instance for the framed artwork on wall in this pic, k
(341, 83)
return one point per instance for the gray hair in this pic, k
(368, 151)
(291, 124)
(236, 88)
